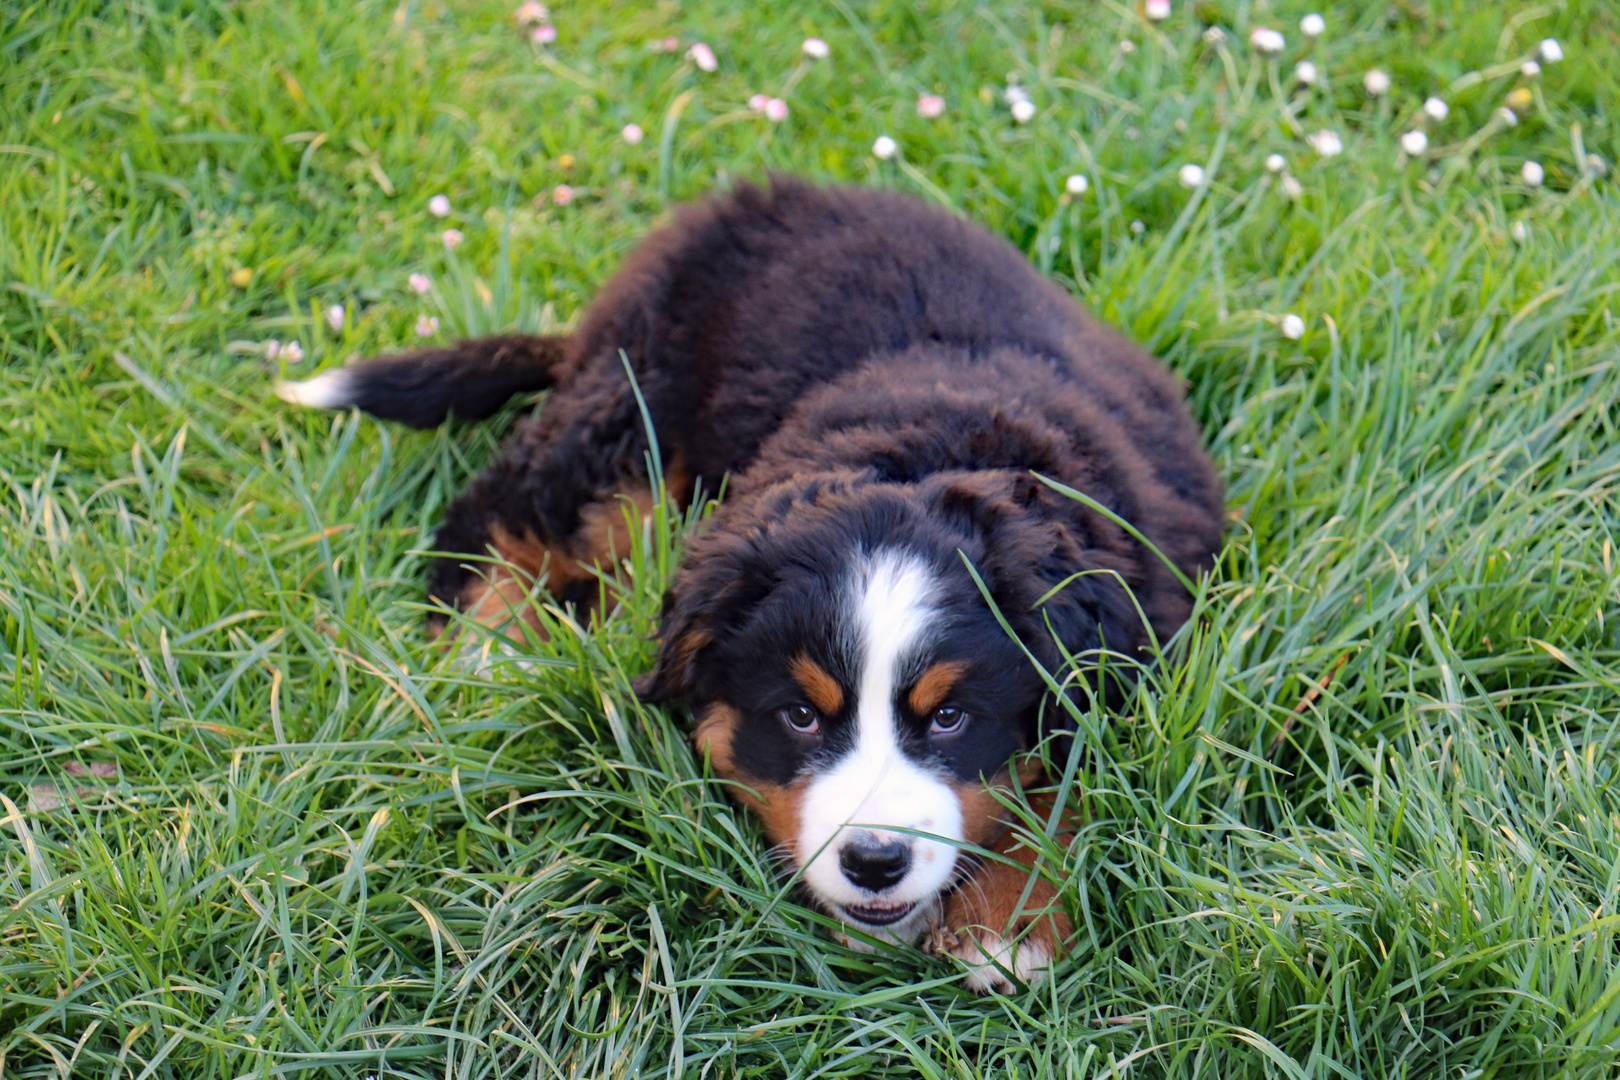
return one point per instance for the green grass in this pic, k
(253, 825)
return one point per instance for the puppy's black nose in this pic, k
(875, 864)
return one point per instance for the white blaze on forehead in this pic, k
(890, 616)
(893, 614)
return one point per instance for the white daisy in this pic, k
(1268, 41)
(1327, 143)
(703, 56)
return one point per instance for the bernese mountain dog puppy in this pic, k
(882, 386)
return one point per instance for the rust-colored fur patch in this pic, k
(934, 686)
(776, 805)
(499, 600)
(713, 736)
(984, 819)
(989, 900)
(821, 688)
(499, 596)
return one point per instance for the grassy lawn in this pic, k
(1366, 824)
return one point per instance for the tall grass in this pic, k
(251, 824)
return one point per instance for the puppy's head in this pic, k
(849, 678)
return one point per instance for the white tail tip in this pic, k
(328, 390)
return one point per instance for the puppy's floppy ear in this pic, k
(699, 607)
(1034, 542)
(683, 633)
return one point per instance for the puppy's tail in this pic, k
(470, 379)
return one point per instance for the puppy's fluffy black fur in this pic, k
(870, 372)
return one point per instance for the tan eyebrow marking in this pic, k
(821, 688)
(936, 683)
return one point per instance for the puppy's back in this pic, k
(749, 300)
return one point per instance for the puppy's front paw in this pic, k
(993, 961)
(1001, 940)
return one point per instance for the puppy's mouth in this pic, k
(878, 912)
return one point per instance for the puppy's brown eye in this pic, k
(803, 719)
(947, 721)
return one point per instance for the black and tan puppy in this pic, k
(879, 380)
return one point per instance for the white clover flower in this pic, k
(1436, 109)
(815, 48)
(758, 102)
(562, 195)
(1014, 94)
(1214, 35)
(427, 325)
(1305, 72)
(1530, 69)
(1414, 142)
(1312, 25)
(1327, 143)
(1023, 111)
(1532, 173)
(1076, 184)
(1268, 41)
(1519, 231)
(884, 148)
(544, 34)
(1293, 327)
(1275, 163)
(335, 318)
(1157, 10)
(1550, 51)
(292, 352)
(1190, 175)
(930, 106)
(419, 284)
(776, 110)
(632, 134)
(1127, 46)
(530, 12)
(439, 206)
(272, 349)
(1377, 82)
(1507, 117)
(1138, 228)
(703, 56)
(452, 238)
(1292, 187)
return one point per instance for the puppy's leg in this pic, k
(552, 507)
(999, 938)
